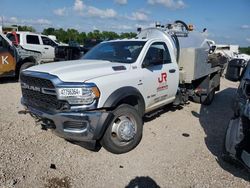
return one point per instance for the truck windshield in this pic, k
(118, 51)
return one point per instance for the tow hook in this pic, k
(47, 124)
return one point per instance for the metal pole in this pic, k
(2, 21)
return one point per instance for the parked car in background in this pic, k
(72, 51)
(34, 41)
(64, 53)
(48, 46)
(14, 58)
(237, 139)
(90, 43)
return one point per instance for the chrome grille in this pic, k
(39, 99)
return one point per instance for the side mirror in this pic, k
(234, 69)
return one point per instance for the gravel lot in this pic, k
(30, 157)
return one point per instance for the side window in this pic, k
(11, 37)
(18, 37)
(47, 41)
(158, 54)
(32, 39)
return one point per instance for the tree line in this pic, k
(74, 35)
(245, 50)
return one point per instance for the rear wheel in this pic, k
(206, 99)
(124, 132)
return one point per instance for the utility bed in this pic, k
(194, 64)
(194, 59)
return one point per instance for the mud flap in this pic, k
(235, 143)
(234, 136)
(246, 158)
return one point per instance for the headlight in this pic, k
(78, 95)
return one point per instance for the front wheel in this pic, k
(125, 130)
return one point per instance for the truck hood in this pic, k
(80, 70)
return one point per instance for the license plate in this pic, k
(70, 92)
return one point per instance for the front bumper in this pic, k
(74, 126)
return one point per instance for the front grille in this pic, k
(41, 101)
(38, 82)
(75, 124)
(37, 99)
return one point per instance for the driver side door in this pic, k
(160, 76)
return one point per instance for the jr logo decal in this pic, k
(163, 77)
(4, 60)
(162, 82)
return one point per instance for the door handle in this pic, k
(172, 71)
(46, 48)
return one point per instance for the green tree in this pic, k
(74, 35)
(49, 31)
(245, 50)
(128, 35)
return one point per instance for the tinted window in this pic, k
(3, 43)
(158, 54)
(11, 37)
(119, 51)
(47, 41)
(32, 39)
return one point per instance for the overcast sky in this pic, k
(227, 21)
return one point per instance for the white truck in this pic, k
(33, 41)
(103, 97)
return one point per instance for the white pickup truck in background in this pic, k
(103, 97)
(33, 41)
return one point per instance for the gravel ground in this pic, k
(30, 157)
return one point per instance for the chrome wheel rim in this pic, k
(124, 130)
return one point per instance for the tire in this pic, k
(209, 98)
(23, 67)
(124, 132)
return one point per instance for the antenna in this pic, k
(2, 21)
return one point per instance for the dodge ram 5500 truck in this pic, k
(103, 97)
